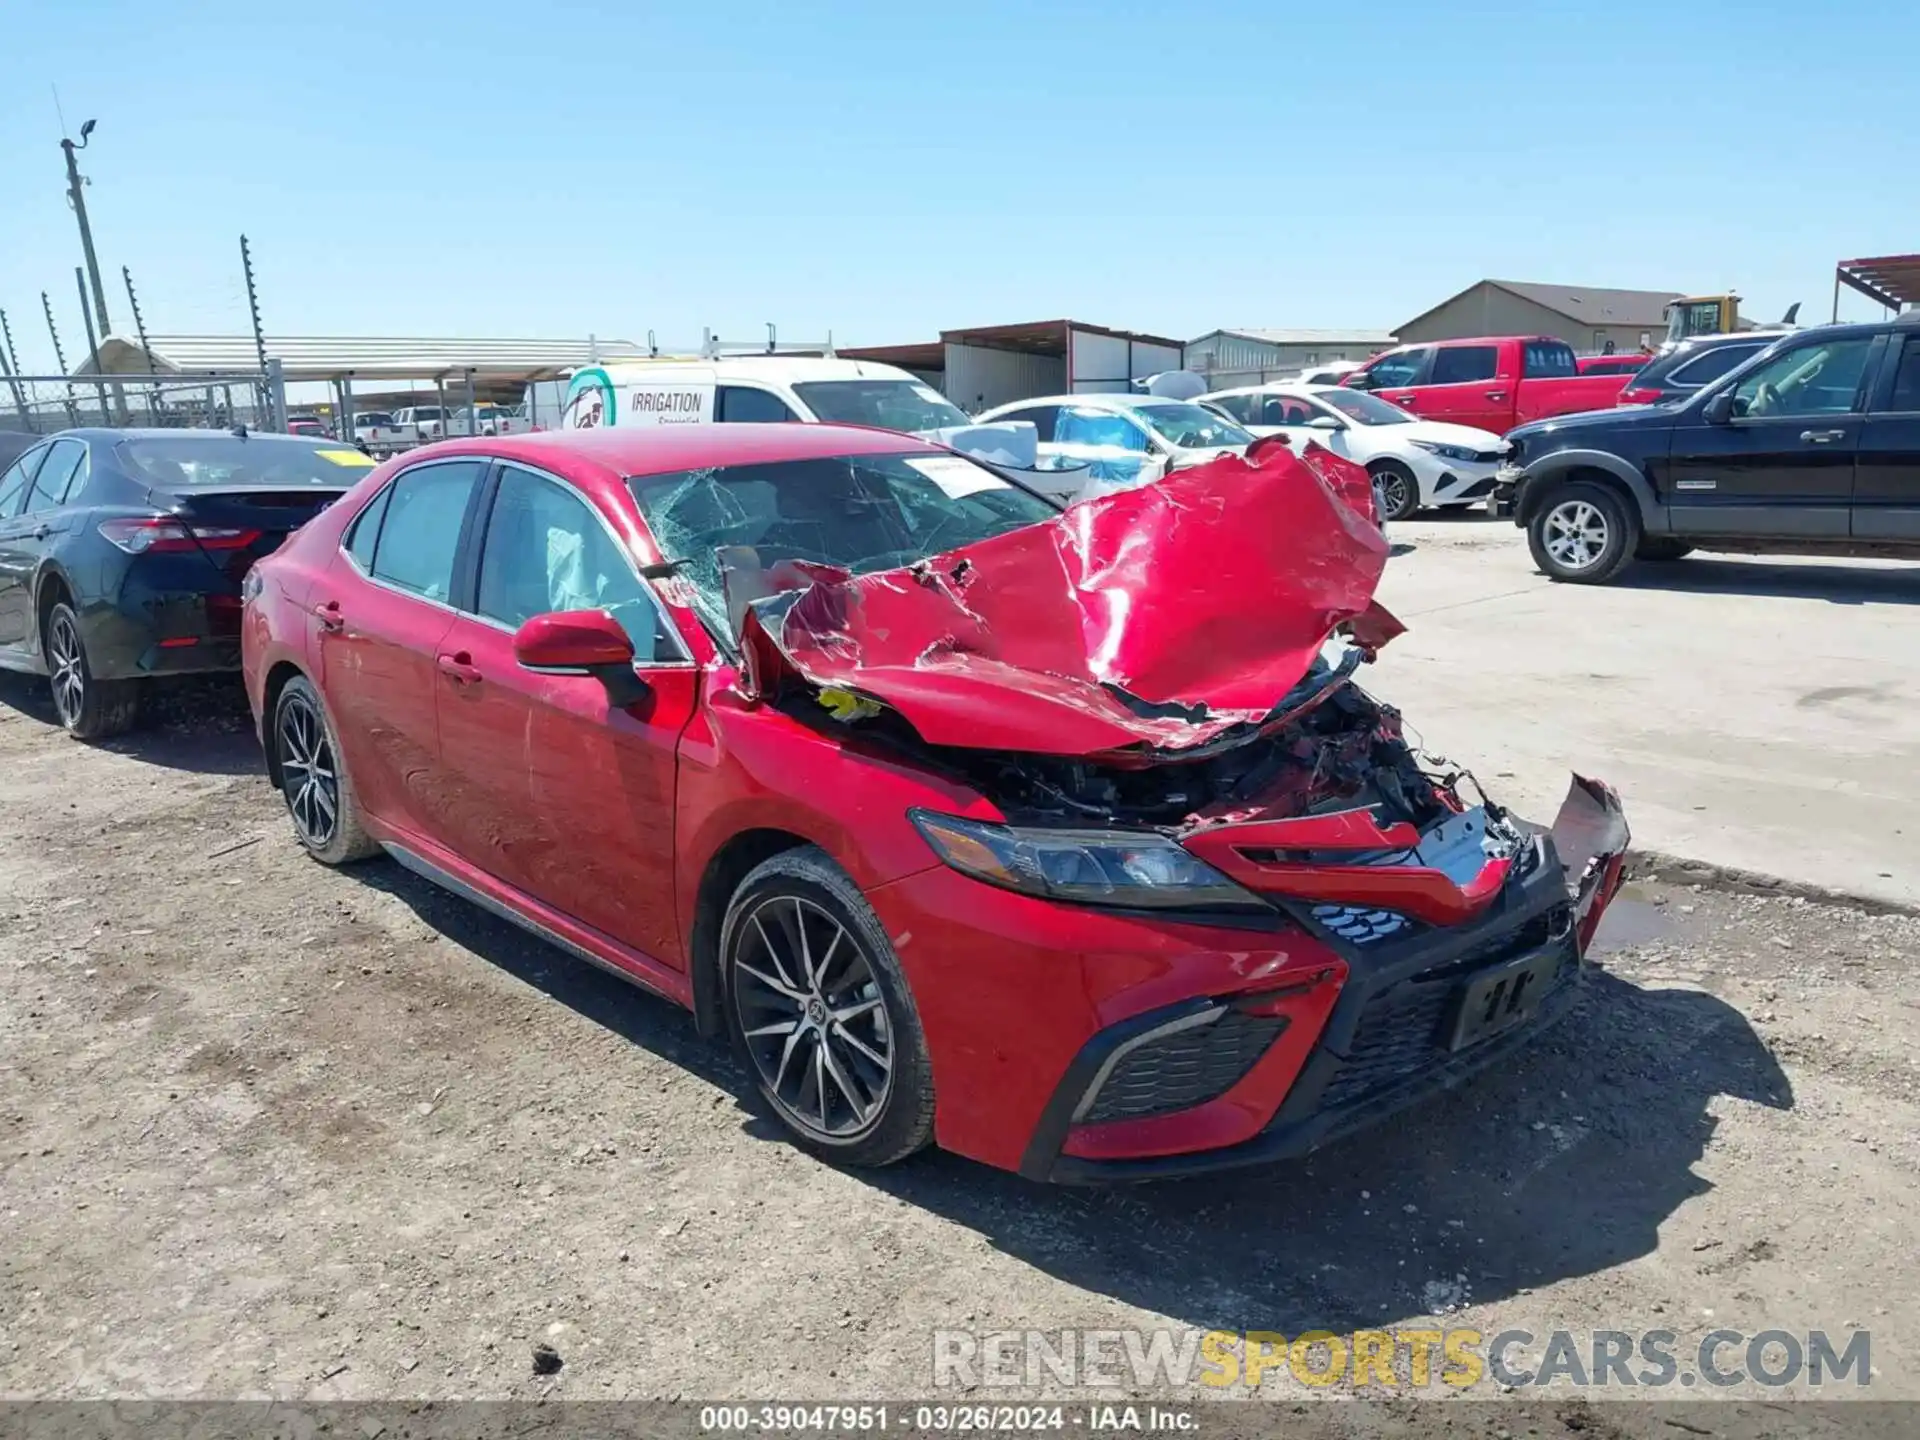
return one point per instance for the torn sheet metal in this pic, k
(1159, 617)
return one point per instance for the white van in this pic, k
(734, 389)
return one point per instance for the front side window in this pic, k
(546, 550)
(1463, 364)
(420, 532)
(1192, 427)
(64, 472)
(739, 405)
(857, 512)
(1818, 379)
(1548, 360)
(1398, 369)
(15, 479)
(905, 405)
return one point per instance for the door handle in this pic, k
(1821, 437)
(329, 616)
(39, 534)
(1496, 394)
(458, 668)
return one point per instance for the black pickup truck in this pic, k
(1812, 447)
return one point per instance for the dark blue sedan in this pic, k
(122, 553)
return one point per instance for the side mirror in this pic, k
(582, 642)
(1719, 409)
(1326, 422)
(1357, 380)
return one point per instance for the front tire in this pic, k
(88, 708)
(818, 1004)
(313, 779)
(1582, 534)
(1396, 494)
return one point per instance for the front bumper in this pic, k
(1459, 482)
(1081, 1046)
(1507, 482)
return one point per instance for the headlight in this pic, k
(1445, 452)
(1089, 867)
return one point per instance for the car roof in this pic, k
(1097, 399)
(788, 369)
(657, 449)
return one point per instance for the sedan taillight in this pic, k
(159, 534)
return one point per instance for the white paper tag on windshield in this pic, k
(956, 477)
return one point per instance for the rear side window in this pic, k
(1711, 365)
(15, 479)
(1045, 419)
(1244, 408)
(1463, 364)
(1906, 385)
(420, 531)
(365, 530)
(64, 473)
(1547, 359)
(739, 405)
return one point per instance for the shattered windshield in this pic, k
(859, 512)
(1192, 427)
(904, 405)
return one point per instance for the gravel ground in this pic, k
(272, 1130)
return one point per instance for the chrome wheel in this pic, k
(1575, 534)
(67, 667)
(308, 775)
(1390, 493)
(813, 1018)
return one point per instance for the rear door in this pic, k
(1886, 477)
(1782, 464)
(559, 792)
(379, 615)
(1464, 387)
(19, 548)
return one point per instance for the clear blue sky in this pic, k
(883, 169)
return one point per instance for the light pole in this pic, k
(76, 193)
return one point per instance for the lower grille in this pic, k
(1401, 1032)
(1184, 1067)
(1478, 490)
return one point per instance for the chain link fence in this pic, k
(43, 404)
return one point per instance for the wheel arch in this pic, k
(1601, 468)
(278, 678)
(49, 590)
(729, 865)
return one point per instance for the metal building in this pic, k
(1587, 318)
(1251, 357)
(991, 365)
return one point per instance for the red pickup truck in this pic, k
(1493, 383)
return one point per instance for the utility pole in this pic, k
(73, 412)
(77, 196)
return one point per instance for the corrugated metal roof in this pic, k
(364, 357)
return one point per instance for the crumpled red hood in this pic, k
(1156, 617)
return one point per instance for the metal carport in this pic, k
(1890, 280)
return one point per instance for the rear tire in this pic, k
(88, 708)
(1582, 533)
(836, 1051)
(313, 778)
(1396, 494)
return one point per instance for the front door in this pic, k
(559, 792)
(378, 617)
(1782, 462)
(1886, 477)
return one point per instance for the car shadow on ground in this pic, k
(196, 724)
(1461, 515)
(1892, 584)
(1565, 1163)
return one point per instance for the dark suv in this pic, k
(1691, 365)
(1810, 448)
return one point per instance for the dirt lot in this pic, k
(267, 1129)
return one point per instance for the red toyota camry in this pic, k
(1064, 839)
